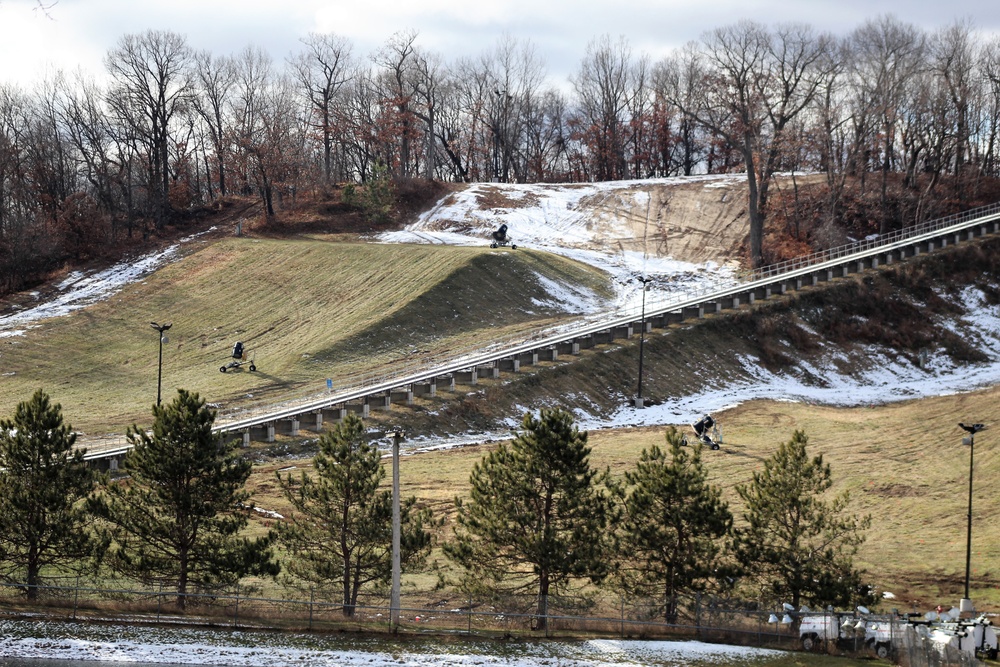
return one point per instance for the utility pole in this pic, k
(397, 435)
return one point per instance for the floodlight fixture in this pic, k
(160, 329)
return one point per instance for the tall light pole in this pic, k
(397, 435)
(972, 429)
(161, 328)
(642, 339)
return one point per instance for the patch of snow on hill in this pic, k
(79, 290)
(554, 218)
(884, 379)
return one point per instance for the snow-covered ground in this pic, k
(121, 644)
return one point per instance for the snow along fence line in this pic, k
(608, 615)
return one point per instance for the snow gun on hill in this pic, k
(707, 431)
(500, 239)
(239, 357)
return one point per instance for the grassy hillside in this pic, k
(307, 309)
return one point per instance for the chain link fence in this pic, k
(605, 614)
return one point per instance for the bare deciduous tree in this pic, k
(323, 70)
(152, 86)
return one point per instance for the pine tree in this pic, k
(798, 545)
(536, 517)
(43, 482)
(674, 524)
(343, 532)
(178, 517)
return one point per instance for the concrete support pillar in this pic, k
(694, 312)
(246, 438)
(470, 376)
(511, 364)
(294, 426)
(269, 432)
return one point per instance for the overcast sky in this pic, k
(77, 33)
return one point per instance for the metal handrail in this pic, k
(357, 384)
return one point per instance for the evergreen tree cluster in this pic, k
(539, 523)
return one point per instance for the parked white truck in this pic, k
(976, 637)
(845, 629)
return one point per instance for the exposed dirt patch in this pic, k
(690, 222)
(490, 198)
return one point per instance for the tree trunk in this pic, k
(33, 568)
(542, 612)
(182, 579)
(348, 599)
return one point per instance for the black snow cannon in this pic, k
(703, 428)
(239, 357)
(500, 239)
